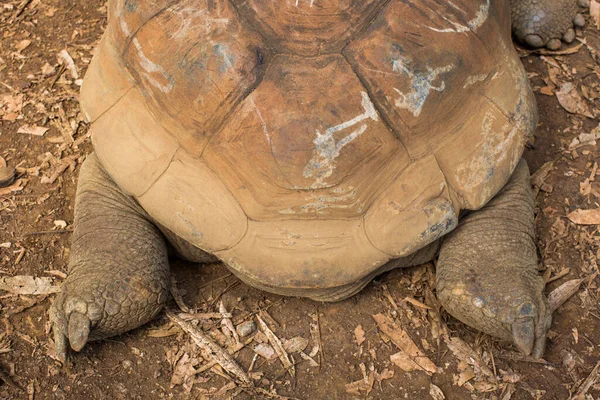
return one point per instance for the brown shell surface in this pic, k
(307, 142)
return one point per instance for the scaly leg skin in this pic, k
(487, 269)
(118, 269)
(539, 23)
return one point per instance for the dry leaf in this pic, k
(22, 45)
(547, 91)
(12, 107)
(561, 294)
(466, 376)
(66, 60)
(359, 334)
(463, 351)
(585, 217)
(295, 344)
(28, 285)
(265, 351)
(435, 392)
(410, 356)
(33, 130)
(385, 374)
(571, 100)
(586, 139)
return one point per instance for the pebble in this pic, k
(246, 328)
(7, 175)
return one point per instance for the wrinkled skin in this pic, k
(546, 23)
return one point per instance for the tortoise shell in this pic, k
(308, 142)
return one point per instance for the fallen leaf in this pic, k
(22, 45)
(547, 91)
(12, 106)
(28, 285)
(295, 344)
(466, 376)
(571, 100)
(33, 130)
(586, 139)
(435, 392)
(385, 374)
(359, 334)
(585, 217)
(410, 355)
(67, 61)
(561, 294)
(463, 351)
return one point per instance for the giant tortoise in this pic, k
(310, 145)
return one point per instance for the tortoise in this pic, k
(310, 145)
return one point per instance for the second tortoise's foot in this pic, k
(487, 270)
(546, 23)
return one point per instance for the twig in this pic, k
(21, 8)
(588, 383)
(321, 355)
(204, 316)
(220, 356)
(276, 343)
(8, 380)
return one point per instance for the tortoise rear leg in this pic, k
(539, 23)
(118, 268)
(487, 269)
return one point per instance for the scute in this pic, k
(424, 70)
(195, 62)
(309, 27)
(296, 151)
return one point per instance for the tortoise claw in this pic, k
(524, 335)
(79, 330)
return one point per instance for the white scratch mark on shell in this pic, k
(262, 121)
(150, 67)
(480, 17)
(420, 86)
(327, 148)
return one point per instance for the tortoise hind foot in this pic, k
(539, 23)
(487, 270)
(118, 267)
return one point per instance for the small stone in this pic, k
(127, 364)
(7, 176)
(246, 328)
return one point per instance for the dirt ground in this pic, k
(346, 355)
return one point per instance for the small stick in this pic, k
(8, 380)
(204, 316)
(276, 343)
(588, 383)
(321, 355)
(21, 8)
(207, 344)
